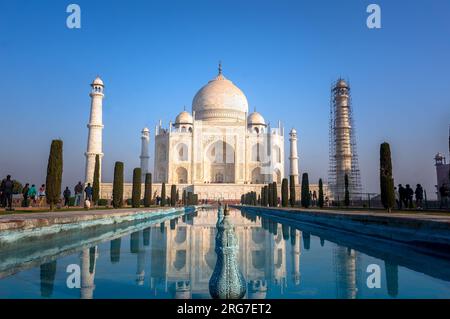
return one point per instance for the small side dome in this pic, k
(98, 81)
(184, 118)
(255, 119)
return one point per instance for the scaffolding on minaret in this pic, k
(343, 155)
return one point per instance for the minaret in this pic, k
(293, 158)
(145, 138)
(95, 127)
(343, 155)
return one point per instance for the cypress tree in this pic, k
(54, 173)
(96, 181)
(163, 194)
(266, 195)
(292, 190)
(118, 185)
(148, 190)
(270, 198)
(190, 199)
(262, 196)
(347, 193)
(306, 200)
(321, 200)
(386, 179)
(136, 192)
(173, 196)
(284, 192)
(275, 194)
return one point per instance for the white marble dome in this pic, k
(256, 119)
(184, 118)
(220, 100)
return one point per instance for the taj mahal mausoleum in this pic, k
(219, 150)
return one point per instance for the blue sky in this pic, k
(154, 55)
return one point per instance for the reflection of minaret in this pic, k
(295, 246)
(391, 278)
(257, 289)
(48, 272)
(345, 270)
(88, 261)
(278, 257)
(137, 247)
(227, 281)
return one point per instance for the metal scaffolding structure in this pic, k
(342, 144)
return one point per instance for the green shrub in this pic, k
(284, 193)
(118, 185)
(136, 192)
(386, 179)
(163, 195)
(306, 197)
(54, 173)
(148, 190)
(321, 199)
(292, 194)
(96, 181)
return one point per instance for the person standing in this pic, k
(419, 196)
(314, 198)
(25, 195)
(66, 195)
(397, 198)
(409, 196)
(88, 192)
(41, 195)
(8, 186)
(32, 193)
(78, 193)
(401, 195)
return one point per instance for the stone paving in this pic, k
(31, 220)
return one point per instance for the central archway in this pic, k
(219, 164)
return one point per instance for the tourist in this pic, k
(78, 193)
(419, 196)
(401, 195)
(314, 198)
(25, 195)
(409, 196)
(397, 198)
(88, 191)
(41, 195)
(2, 194)
(66, 195)
(32, 193)
(7, 191)
(444, 193)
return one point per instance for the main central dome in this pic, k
(220, 100)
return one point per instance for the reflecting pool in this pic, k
(176, 258)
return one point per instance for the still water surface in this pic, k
(175, 259)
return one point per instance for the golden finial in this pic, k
(220, 67)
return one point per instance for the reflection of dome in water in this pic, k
(258, 259)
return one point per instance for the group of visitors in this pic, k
(404, 196)
(31, 196)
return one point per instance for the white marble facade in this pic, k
(218, 150)
(219, 143)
